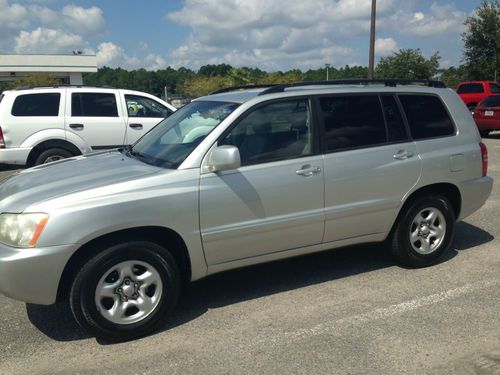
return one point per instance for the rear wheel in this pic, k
(126, 291)
(424, 231)
(52, 154)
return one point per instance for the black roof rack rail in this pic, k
(385, 81)
(244, 87)
(62, 85)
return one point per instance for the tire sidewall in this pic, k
(41, 159)
(82, 296)
(406, 251)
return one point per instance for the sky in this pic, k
(267, 34)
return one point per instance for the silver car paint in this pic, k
(87, 197)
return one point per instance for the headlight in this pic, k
(22, 230)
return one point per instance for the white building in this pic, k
(68, 68)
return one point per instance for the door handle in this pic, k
(307, 171)
(135, 126)
(76, 126)
(402, 155)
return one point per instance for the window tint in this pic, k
(426, 116)
(93, 104)
(273, 132)
(36, 105)
(1, 97)
(470, 88)
(395, 125)
(494, 88)
(352, 121)
(140, 106)
(491, 101)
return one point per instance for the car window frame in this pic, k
(168, 110)
(403, 112)
(315, 147)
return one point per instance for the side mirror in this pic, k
(223, 158)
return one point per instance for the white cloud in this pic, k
(385, 46)
(13, 18)
(43, 40)
(86, 21)
(112, 55)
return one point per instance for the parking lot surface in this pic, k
(348, 311)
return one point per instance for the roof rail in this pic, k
(244, 87)
(386, 82)
(63, 85)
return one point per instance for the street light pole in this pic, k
(327, 66)
(372, 41)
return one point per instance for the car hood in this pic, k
(69, 176)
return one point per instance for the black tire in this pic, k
(484, 133)
(83, 294)
(403, 249)
(52, 154)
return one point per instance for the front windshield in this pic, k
(172, 140)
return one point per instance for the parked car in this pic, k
(238, 178)
(472, 93)
(487, 115)
(40, 125)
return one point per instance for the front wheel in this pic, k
(424, 231)
(52, 154)
(125, 291)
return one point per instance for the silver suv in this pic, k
(241, 177)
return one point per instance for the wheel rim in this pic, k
(428, 230)
(52, 158)
(128, 292)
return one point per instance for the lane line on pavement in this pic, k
(380, 313)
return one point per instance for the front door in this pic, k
(275, 200)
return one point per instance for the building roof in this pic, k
(48, 63)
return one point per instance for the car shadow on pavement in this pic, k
(258, 281)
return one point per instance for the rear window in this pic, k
(494, 88)
(91, 104)
(491, 101)
(426, 116)
(46, 104)
(470, 88)
(352, 121)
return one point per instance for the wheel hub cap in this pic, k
(428, 230)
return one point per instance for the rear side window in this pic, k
(470, 88)
(46, 104)
(494, 88)
(91, 104)
(426, 116)
(352, 121)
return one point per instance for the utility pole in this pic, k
(372, 41)
(327, 66)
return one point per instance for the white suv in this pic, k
(40, 125)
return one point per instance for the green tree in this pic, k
(482, 42)
(201, 85)
(35, 80)
(453, 76)
(409, 64)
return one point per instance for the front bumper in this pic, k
(15, 155)
(32, 275)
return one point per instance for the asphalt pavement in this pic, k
(347, 311)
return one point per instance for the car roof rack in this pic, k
(386, 82)
(244, 87)
(63, 85)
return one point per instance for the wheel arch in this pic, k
(52, 143)
(448, 190)
(160, 235)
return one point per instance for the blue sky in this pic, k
(268, 34)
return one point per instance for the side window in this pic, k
(275, 131)
(495, 88)
(37, 105)
(426, 116)
(470, 88)
(140, 106)
(396, 130)
(90, 104)
(352, 121)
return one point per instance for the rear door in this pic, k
(96, 117)
(143, 113)
(370, 164)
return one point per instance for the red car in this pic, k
(472, 93)
(487, 115)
